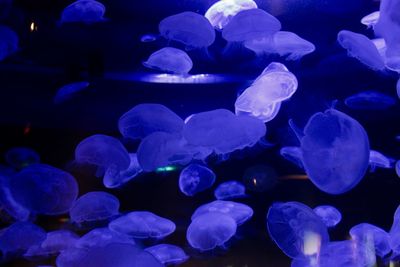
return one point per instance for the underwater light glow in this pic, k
(166, 169)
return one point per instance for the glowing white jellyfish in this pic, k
(329, 215)
(68, 91)
(84, 11)
(378, 160)
(170, 60)
(168, 254)
(195, 178)
(365, 233)
(8, 42)
(371, 20)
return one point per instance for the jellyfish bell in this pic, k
(371, 20)
(292, 154)
(370, 100)
(195, 178)
(83, 11)
(101, 237)
(368, 233)
(230, 190)
(328, 214)
(168, 254)
(114, 178)
(171, 60)
(8, 42)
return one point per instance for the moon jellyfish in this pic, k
(8, 203)
(398, 168)
(20, 157)
(230, 190)
(142, 225)
(290, 223)
(365, 233)
(239, 212)
(329, 215)
(274, 85)
(292, 154)
(222, 12)
(101, 237)
(148, 38)
(189, 28)
(85, 11)
(145, 119)
(370, 100)
(361, 48)
(210, 230)
(68, 91)
(168, 254)
(335, 150)
(195, 178)
(114, 178)
(378, 160)
(170, 60)
(44, 189)
(370, 20)
(260, 178)
(8, 42)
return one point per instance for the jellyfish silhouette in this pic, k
(168, 254)
(329, 215)
(8, 42)
(101, 237)
(371, 20)
(83, 11)
(378, 160)
(292, 154)
(365, 233)
(195, 178)
(230, 190)
(20, 157)
(370, 100)
(260, 178)
(170, 60)
(114, 178)
(68, 91)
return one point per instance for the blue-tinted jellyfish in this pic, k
(8, 42)
(84, 11)
(114, 178)
(170, 60)
(230, 190)
(8, 203)
(94, 206)
(20, 157)
(292, 154)
(290, 224)
(195, 178)
(104, 152)
(101, 237)
(168, 254)
(43, 189)
(370, 100)
(148, 38)
(370, 20)
(365, 233)
(275, 84)
(398, 88)
(210, 230)
(189, 28)
(378, 160)
(394, 233)
(145, 119)
(397, 166)
(238, 211)
(260, 178)
(68, 91)
(143, 225)
(335, 150)
(329, 215)
(361, 48)
(380, 44)
(222, 12)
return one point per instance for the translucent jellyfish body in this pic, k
(8, 42)
(94, 206)
(394, 233)
(170, 60)
(68, 91)
(260, 178)
(370, 100)
(329, 215)
(101, 237)
(143, 225)
(230, 190)
(292, 154)
(289, 225)
(378, 160)
(114, 178)
(373, 236)
(8, 203)
(168, 254)
(20, 157)
(370, 20)
(43, 189)
(85, 11)
(335, 150)
(195, 178)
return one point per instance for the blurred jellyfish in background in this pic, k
(8, 42)
(8, 203)
(169, 59)
(230, 190)
(101, 237)
(292, 154)
(329, 215)
(398, 168)
(365, 233)
(371, 20)
(260, 178)
(168, 254)
(83, 11)
(68, 91)
(20, 157)
(378, 160)
(114, 178)
(148, 38)
(370, 100)
(195, 178)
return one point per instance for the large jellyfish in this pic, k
(378, 160)
(85, 11)
(44, 189)
(260, 178)
(367, 233)
(370, 100)
(171, 60)
(329, 215)
(335, 150)
(370, 20)
(101, 237)
(290, 224)
(114, 178)
(195, 178)
(20, 157)
(94, 206)
(143, 225)
(68, 91)
(292, 154)
(230, 190)
(8, 42)
(168, 254)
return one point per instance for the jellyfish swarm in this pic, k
(168, 254)
(361, 48)
(43, 189)
(365, 233)
(68, 91)
(114, 178)
(289, 225)
(370, 100)
(20, 157)
(262, 99)
(370, 20)
(101, 237)
(84, 11)
(195, 178)
(329, 215)
(169, 59)
(292, 154)
(8, 42)
(335, 150)
(260, 178)
(94, 206)
(230, 190)
(377, 159)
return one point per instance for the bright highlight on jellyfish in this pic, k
(68, 91)
(329, 215)
(189, 28)
(378, 160)
(361, 48)
(274, 85)
(260, 178)
(94, 206)
(101, 237)
(43, 189)
(168, 254)
(230, 190)
(289, 224)
(365, 233)
(84, 11)
(222, 12)
(292, 154)
(195, 178)
(8, 42)
(114, 178)
(370, 100)
(170, 60)
(335, 151)
(143, 225)
(371, 20)
(20, 157)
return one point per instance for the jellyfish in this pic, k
(230, 190)
(370, 100)
(170, 60)
(148, 38)
(361, 48)
(380, 44)
(365, 233)
(260, 178)
(398, 88)
(84, 11)
(8, 42)
(195, 178)
(289, 225)
(114, 178)
(145, 119)
(377, 159)
(20, 157)
(143, 225)
(292, 154)
(168, 254)
(101, 237)
(329, 215)
(370, 20)
(394, 233)
(8, 203)
(43, 189)
(238, 211)
(68, 91)
(335, 151)
(397, 166)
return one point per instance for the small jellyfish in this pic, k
(101, 237)
(68, 91)
(195, 178)
(371, 20)
(170, 60)
(94, 206)
(84, 11)
(398, 168)
(260, 178)
(370, 100)
(20, 157)
(329, 215)
(365, 233)
(8, 42)
(210, 230)
(148, 38)
(292, 154)
(230, 190)
(168, 254)
(378, 160)
(143, 225)
(114, 178)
